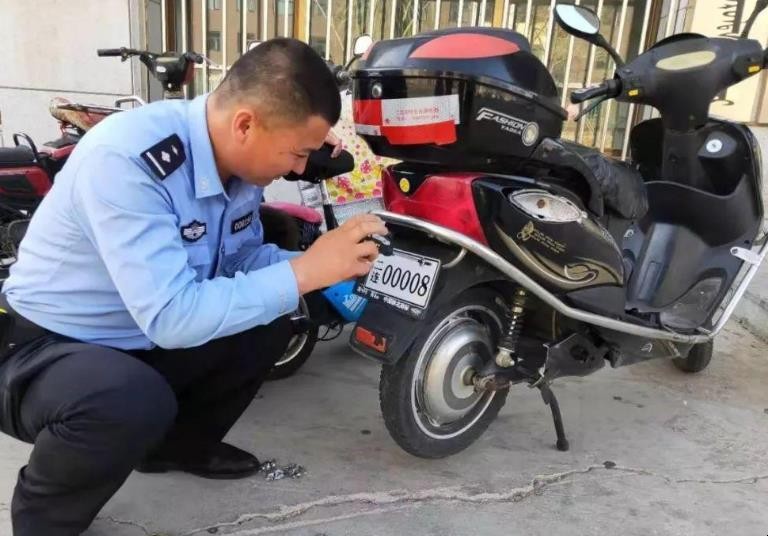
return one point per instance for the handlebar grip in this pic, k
(195, 57)
(588, 93)
(110, 51)
(342, 76)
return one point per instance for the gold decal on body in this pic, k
(529, 232)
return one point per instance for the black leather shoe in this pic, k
(222, 462)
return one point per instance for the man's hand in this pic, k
(339, 254)
(573, 110)
(333, 139)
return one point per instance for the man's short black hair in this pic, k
(286, 80)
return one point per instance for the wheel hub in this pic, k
(448, 392)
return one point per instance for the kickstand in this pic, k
(550, 400)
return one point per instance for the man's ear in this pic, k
(243, 123)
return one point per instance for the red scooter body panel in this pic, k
(445, 199)
(23, 187)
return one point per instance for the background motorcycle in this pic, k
(27, 172)
(521, 257)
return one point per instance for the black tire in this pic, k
(697, 359)
(289, 368)
(299, 349)
(285, 231)
(403, 399)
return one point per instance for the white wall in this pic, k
(48, 48)
(708, 15)
(281, 190)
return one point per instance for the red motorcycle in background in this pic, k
(27, 170)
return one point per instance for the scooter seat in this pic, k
(301, 212)
(621, 185)
(16, 156)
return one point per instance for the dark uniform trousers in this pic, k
(94, 412)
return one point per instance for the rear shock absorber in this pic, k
(507, 351)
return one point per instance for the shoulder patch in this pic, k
(193, 231)
(165, 157)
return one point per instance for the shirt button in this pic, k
(204, 184)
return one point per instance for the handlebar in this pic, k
(580, 95)
(173, 70)
(609, 88)
(340, 74)
(124, 53)
(110, 51)
(342, 77)
(121, 52)
(194, 57)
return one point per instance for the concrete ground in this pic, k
(691, 455)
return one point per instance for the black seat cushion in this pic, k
(16, 155)
(613, 185)
(622, 186)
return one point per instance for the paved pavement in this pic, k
(689, 451)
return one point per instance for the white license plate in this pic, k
(403, 280)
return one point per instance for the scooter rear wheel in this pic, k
(697, 359)
(427, 398)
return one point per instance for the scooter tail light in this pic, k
(444, 199)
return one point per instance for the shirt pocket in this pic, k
(232, 243)
(199, 257)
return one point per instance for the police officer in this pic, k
(147, 308)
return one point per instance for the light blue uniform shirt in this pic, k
(138, 243)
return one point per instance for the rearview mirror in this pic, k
(577, 20)
(362, 44)
(760, 6)
(584, 23)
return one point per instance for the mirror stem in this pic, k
(603, 43)
(759, 6)
(351, 61)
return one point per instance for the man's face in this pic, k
(267, 152)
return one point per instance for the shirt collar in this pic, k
(206, 177)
